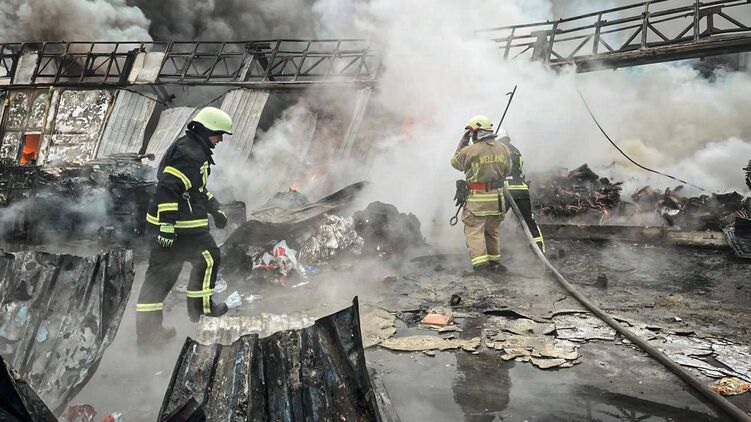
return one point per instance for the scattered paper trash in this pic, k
(730, 386)
(234, 300)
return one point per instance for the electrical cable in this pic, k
(624, 154)
(716, 399)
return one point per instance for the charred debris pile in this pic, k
(101, 198)
(277, 244)
(581, 196)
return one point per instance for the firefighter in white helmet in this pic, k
(485, 163)
(179, 217)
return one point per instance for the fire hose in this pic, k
(716, 399)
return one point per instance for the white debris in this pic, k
(334, 235)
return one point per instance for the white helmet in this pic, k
(502, 133)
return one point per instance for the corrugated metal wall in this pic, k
(245, 107)
(126, 125)
(171, 125)
(58, 313)
(314, 374)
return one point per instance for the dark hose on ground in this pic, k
(690, 379)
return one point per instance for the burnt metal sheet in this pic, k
(245, 107)
(269, 223)
(317, 373)
(171, 125)
(58, 314)
(18, 401)
(79, 118)
(227, 330)
(126, 125)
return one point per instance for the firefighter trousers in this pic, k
(483, 238)
(523, 201)
(165, 264)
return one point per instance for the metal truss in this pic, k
(650, 32)
(269, 63)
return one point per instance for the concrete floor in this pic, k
(614, 381)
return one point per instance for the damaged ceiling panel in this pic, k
(127, 124)
(245, 107)
(316, 373)
(171, 125)
(58, 314)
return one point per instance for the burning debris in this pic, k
(59, 314)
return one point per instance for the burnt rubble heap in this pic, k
(100, 198)
(386, 231)
(581, 196)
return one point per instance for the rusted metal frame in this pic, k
(631, 38)
(551, 43)
(579, 47)
(333, 57)
(86, 62)
(645, 26)
(113, 57)
(216, 60)
(271, 61)
(522, 52)
(302, 61)
(319, 61)
(509, 40)
(610, 49)
(659, 34)
(598, 29)
(732, 20)
(189, 62)
(59, 68)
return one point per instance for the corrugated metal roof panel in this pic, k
(19, 401)
(245, 107)
(171, 125)
(317, 373)
(126, 125)
(58, 314)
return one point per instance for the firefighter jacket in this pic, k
(515, 179)
(181, 197)
(486, 164)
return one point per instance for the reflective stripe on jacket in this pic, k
(485, 161)
(181, 197)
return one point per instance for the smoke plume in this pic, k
(71, 20)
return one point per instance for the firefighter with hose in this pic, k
(519, 188)
(486, 163)
(178, 215)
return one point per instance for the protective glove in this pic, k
(166, 235)
(464, 141)
(220, 219)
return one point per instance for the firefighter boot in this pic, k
(149, 330)
(196, 308)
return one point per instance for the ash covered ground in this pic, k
(475, 380)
